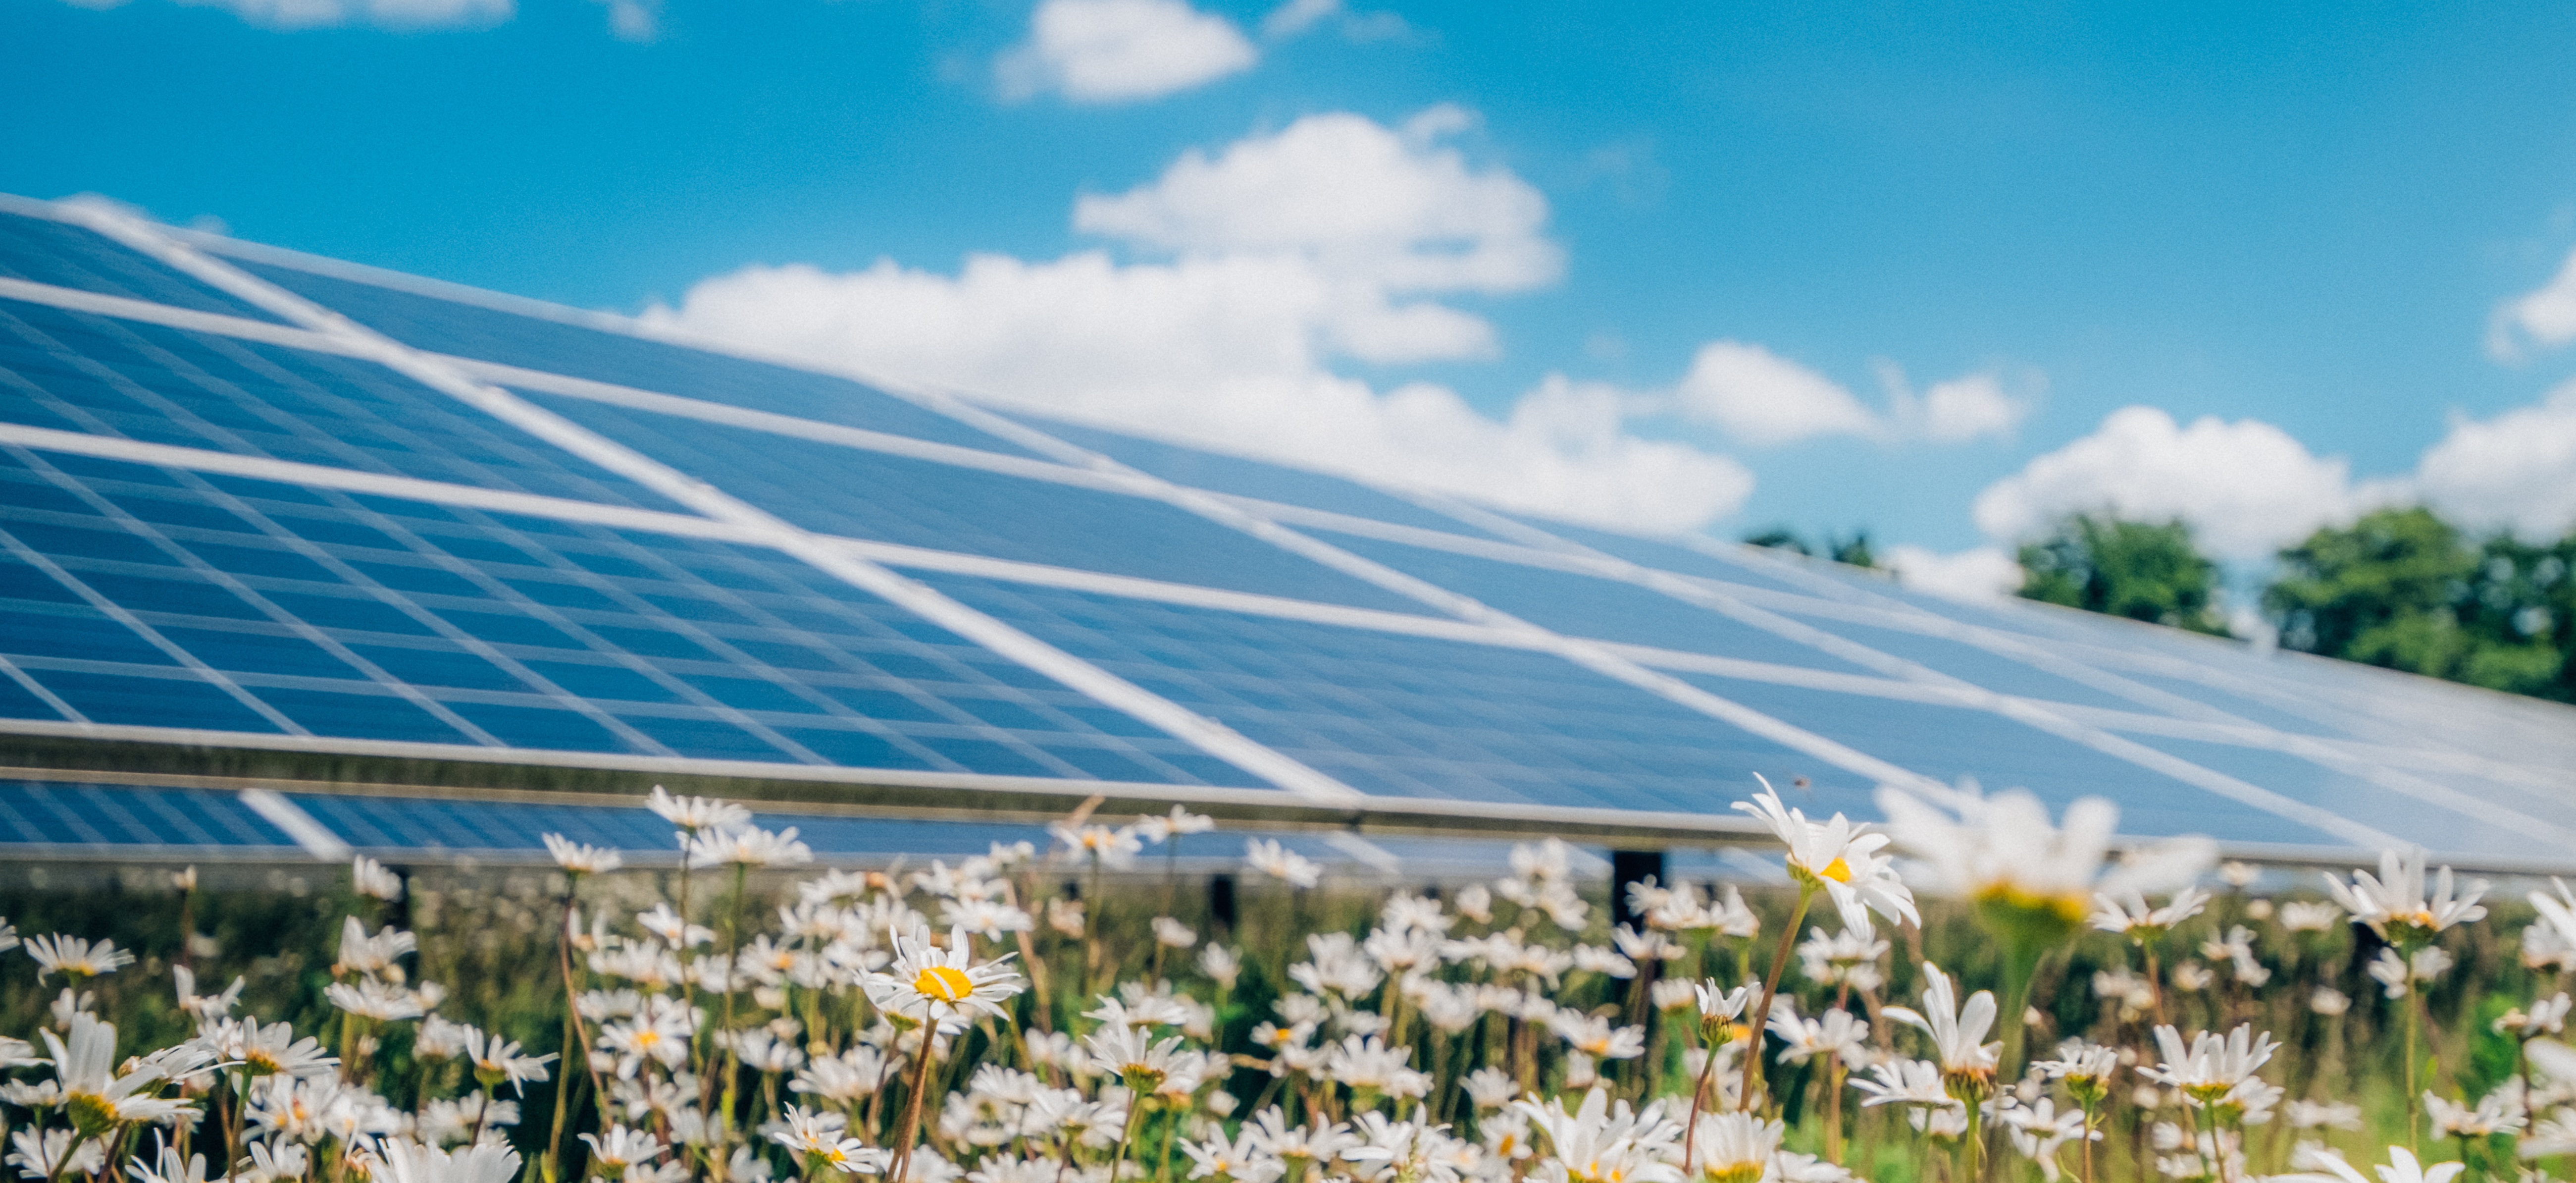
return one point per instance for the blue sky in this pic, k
(2338, 231)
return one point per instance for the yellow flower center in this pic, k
(1837, 870)
(944, 983)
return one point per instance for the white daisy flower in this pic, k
(75, 957)
(2397, 906)
(2023, 871)
(1958, 1032)
(929, 984)
(1839, 855)
(582, 859)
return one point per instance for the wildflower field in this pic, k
(1981, 991)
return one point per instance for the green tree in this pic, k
(1855, 550)
(2140, 570)
(2404, 589)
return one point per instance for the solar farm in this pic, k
(304, 558)
(348, 615)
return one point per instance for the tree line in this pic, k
(2400, 588)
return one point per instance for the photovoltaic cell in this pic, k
(97, 376)
(1586, 606)
(275, 608)
(40, 250)
(42, 813)
(1245, 477)
(396, 824)
(536, 343)
(1669, 556)
(132, 595)
(1404, 716)
(2391, 812)
(1993, 671)
(861, 494)
(1950, 743)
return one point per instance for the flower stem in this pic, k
(902, 1168)
(1770, 990)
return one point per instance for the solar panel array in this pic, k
(257, 501)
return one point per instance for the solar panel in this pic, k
(215, 543)
(272, 608)
(554, 346)
(1408, 716)
(41, 250)
(1589, 606)
(1245, 477)
(95, 375)
(854, 493)
(118, 819)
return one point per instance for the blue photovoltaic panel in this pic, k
(40, 250)
(414, 823)
(1249, 478)
(142, 596)
(861, 494)
(1406, 716)
(1993, 671)
(45, 814)
(371, 618)
(536, 343)
(1585, 606)
(1949, 743)
(75, 372)
(2400, 815)
(1671, 556)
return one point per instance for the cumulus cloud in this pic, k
(1295, 18)
(2515, 471)
(1253, 269)
(1978, 573)
(392, 14)
(1964, 408)
(1765, 399)
(1116, 51)
(634, 20)
(2246, 487)
(1395, 208)
(2545, 317)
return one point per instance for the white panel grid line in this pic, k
(291, 472)
(167, 316)
(1207, 734)
(28, 683)
(790, 426)
(316, 838)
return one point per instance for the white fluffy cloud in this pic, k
(1765, 399)
(1264, 263)
(1964, 408)
(2546, 317)
(2517, 470)
(392, 14)
(2246, 487)
(1115, 51)
(1396, 208)
(1978, 573)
